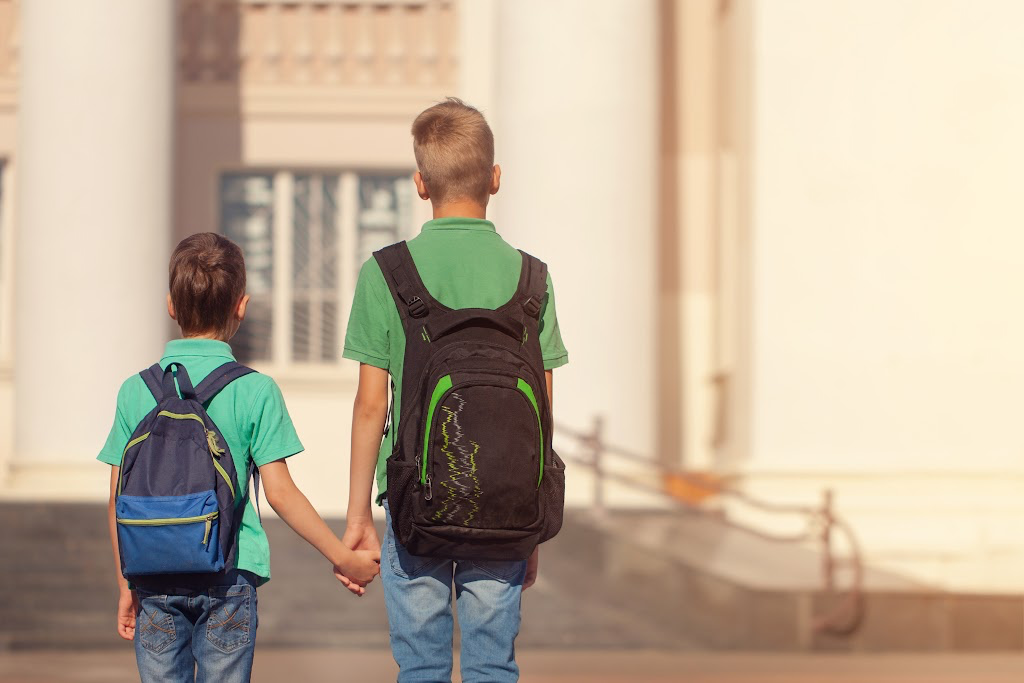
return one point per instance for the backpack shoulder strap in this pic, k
(533, 286)
(252, 492)
(220, 378)
(407, 289)
(153, 376)
(161, 381)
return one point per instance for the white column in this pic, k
(696, 121)
(576, 139)
(477, 76)
(94, 201)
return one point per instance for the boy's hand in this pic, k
(127, 608)
(532, 565)
(360, 534)
(358, 571)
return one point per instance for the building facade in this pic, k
(782, 234)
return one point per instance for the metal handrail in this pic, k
(822, 523)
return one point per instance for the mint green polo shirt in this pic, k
(250, 414)
(464, 263)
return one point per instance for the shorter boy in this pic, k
(189, 627)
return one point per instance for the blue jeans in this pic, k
(418, 594)
(205, 635)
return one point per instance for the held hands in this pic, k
(127, 608)
(357, 573)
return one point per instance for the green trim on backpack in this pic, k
(525, 387)
(443, 385)
(120, 474)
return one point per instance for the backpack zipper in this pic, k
(211, 442)
(433, 363)
(120, 475)
(428, 492)
(168, 521)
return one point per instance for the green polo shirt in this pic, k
(464, 263)
(250, 413)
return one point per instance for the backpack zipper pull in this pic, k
(206, 536)
(211, 441)
(429, 492)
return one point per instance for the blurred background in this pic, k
(785, 238)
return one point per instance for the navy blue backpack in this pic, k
(176, 505)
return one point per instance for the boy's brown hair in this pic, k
(454, 150)
(207, 280)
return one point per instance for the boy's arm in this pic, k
(297, 512)
(367, 340)
(127, 601)
(533, 564)
(368, 416)
(273, 441)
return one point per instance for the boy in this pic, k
(463, 264)
(184, 628)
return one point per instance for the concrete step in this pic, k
(634, 579)
(731, 589)
(59, 592)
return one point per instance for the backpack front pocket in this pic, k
(169, 534)
(482, 453)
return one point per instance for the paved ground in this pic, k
(557, 666)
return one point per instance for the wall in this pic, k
(885, 260)
(887, 244)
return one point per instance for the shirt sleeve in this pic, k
(120, 432)
(273, 434)
(366, 339)
(552, 348)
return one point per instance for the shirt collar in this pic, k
(460, 223)
(198, 347)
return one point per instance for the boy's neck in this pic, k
(214, 337)
(460, 209)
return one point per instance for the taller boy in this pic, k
(463, 263)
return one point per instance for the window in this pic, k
(305, 235)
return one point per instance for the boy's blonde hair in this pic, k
(454, 150)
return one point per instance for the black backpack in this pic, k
(472, 475)
(176, 504)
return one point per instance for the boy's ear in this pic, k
(240, 311)
(170, 307)
(421, 188)
(495, 179)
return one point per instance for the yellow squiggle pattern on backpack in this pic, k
(462, 488)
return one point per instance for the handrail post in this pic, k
(597, 446)
(827, 561)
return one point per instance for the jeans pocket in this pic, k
(506, 571)
(402, 562)
(403, 481)
(230, 624)
(154, 624)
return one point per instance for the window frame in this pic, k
(313, 374)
